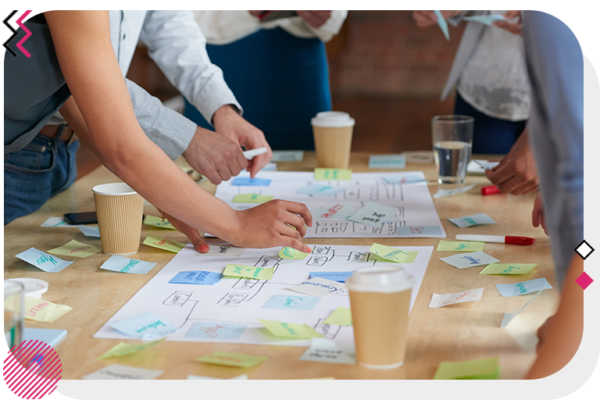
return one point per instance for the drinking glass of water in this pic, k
(452, 141)
(14, 304)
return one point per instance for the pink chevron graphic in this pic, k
(27, 34)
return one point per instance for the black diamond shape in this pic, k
(581, 255)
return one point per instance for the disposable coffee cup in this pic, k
(332, 131)
(379, 302)
(119, 209)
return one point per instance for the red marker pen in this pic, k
(520, 240)
(487, 190)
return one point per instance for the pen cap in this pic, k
(380, 279)
(487, 190)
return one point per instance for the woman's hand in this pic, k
(192, 233)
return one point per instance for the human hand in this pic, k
(427, 18)
(316, 19)
(192, 233)
(541, 332)
(512, 27)
(272, 224)
(537, 215)
(231, 125)
(517, 172)
(215, 155)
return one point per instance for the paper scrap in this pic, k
(123, 372)
(400, 179)
(446, 245)
(246, 181)
(291, 302)
(165, 244)
(289, 330)
(442, 23)
(387, 161)
(318, 287)
(319, 190)
(469, 260)
(520, 288)
(196, 278)
(215, 330)
(232, 359)
(478, 167)
(91, 231)
(472, 220)
(508, 317)
(127, 265)
(223, 251)
(507, 269)
(394, 254)
(422, 157)
(246, 271)
(333, 174)
(418, 230)
(146, 326)
(486, 19)
(452, 192)
(289, 253)
(75, 249)
(486, 368)
(332, 275)
(441, 300)
(198, 377)
(287, 155)
(43, 261)
(57, 222)
(123, 349)
(340, 316)
(158, 222)
(42, 310)
(335, 211)
(325, 350)
(373, 214)
(252, 198)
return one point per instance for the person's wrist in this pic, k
(226, 111)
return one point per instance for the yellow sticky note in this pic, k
(252, 198)
(246, 271)
(332, 174)
(165, 244)
(341, 316)
(123, 349)
(44, 311)
(232, 359)
(446, 245)
(75, 249)
(158, 222)
(486, 368)
(289, 330)
(290, 253)
(393, 254)
(507, 269)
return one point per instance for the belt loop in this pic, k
(59, 131)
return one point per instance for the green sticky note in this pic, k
(158, 222)
(165, 244)
(246, 271)
(289, 330)
(332, 174)
(393, 254)
(251, 198)
(290, 253)
(123, 349)
(486, 368)
(507, 269)
(446, 245)
(232, 359)
(75, 249)
(341, 316)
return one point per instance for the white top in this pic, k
(332, 119)
(380, 279)
(494, 80)
(224, 27)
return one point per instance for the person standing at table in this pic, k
(278, 69)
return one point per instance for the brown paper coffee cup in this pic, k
(332, 132)
(119, 209)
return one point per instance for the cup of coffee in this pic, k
(119, 209)
(379, 302)
(332, 131)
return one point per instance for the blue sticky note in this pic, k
(127, 265)
(145, 326)
(291, 302)
(373, 214)
(215, 330)
(517, 289)
(245, 181)
(387, 161)
(404, 179)
(196, 278)
(43, 261)
(418, 230)
(319, 190)
(442, 23)
(92, 231)
(332, 275)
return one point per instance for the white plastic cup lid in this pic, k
(114, 189)
(332, 119)
(32, 287)
(380, 279)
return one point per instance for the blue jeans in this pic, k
(32, 175)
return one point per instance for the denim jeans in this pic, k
(32, 175)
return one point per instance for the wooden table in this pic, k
(459, 332)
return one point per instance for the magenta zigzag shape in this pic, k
(28, 33)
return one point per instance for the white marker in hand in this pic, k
(251, 153)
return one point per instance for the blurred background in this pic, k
(386, 72)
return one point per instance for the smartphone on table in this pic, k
(81, 218)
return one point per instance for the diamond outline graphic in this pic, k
(584, 280)
(588, 245)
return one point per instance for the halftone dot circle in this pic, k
(32, 369)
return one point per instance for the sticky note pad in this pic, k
(127, 265)
(42, 310)
(291, 302)
(289, 330)
(486, 368)
(507, 269)
(394, 254)
(341, 316)
(232, 359)
(400, 179)
(75, 249)
(373, 214)
(145, 326)
(91, 231)
(332, 275)
(123, 349)
(158, 222)
(387, 161)
(43, 261)
(469, 260)
(452, 192)
(441, 300)
(517, 289)
(319, 190)
(246, 271)
(334, 211)
(196, 278)
(508, 317)
(318, 287)
(332, 174)
(165, 244)
(446, 245)
(472, 220)
(252, 198)
(324, 350)
(418, 230)
(245, 181)
(289, 253)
